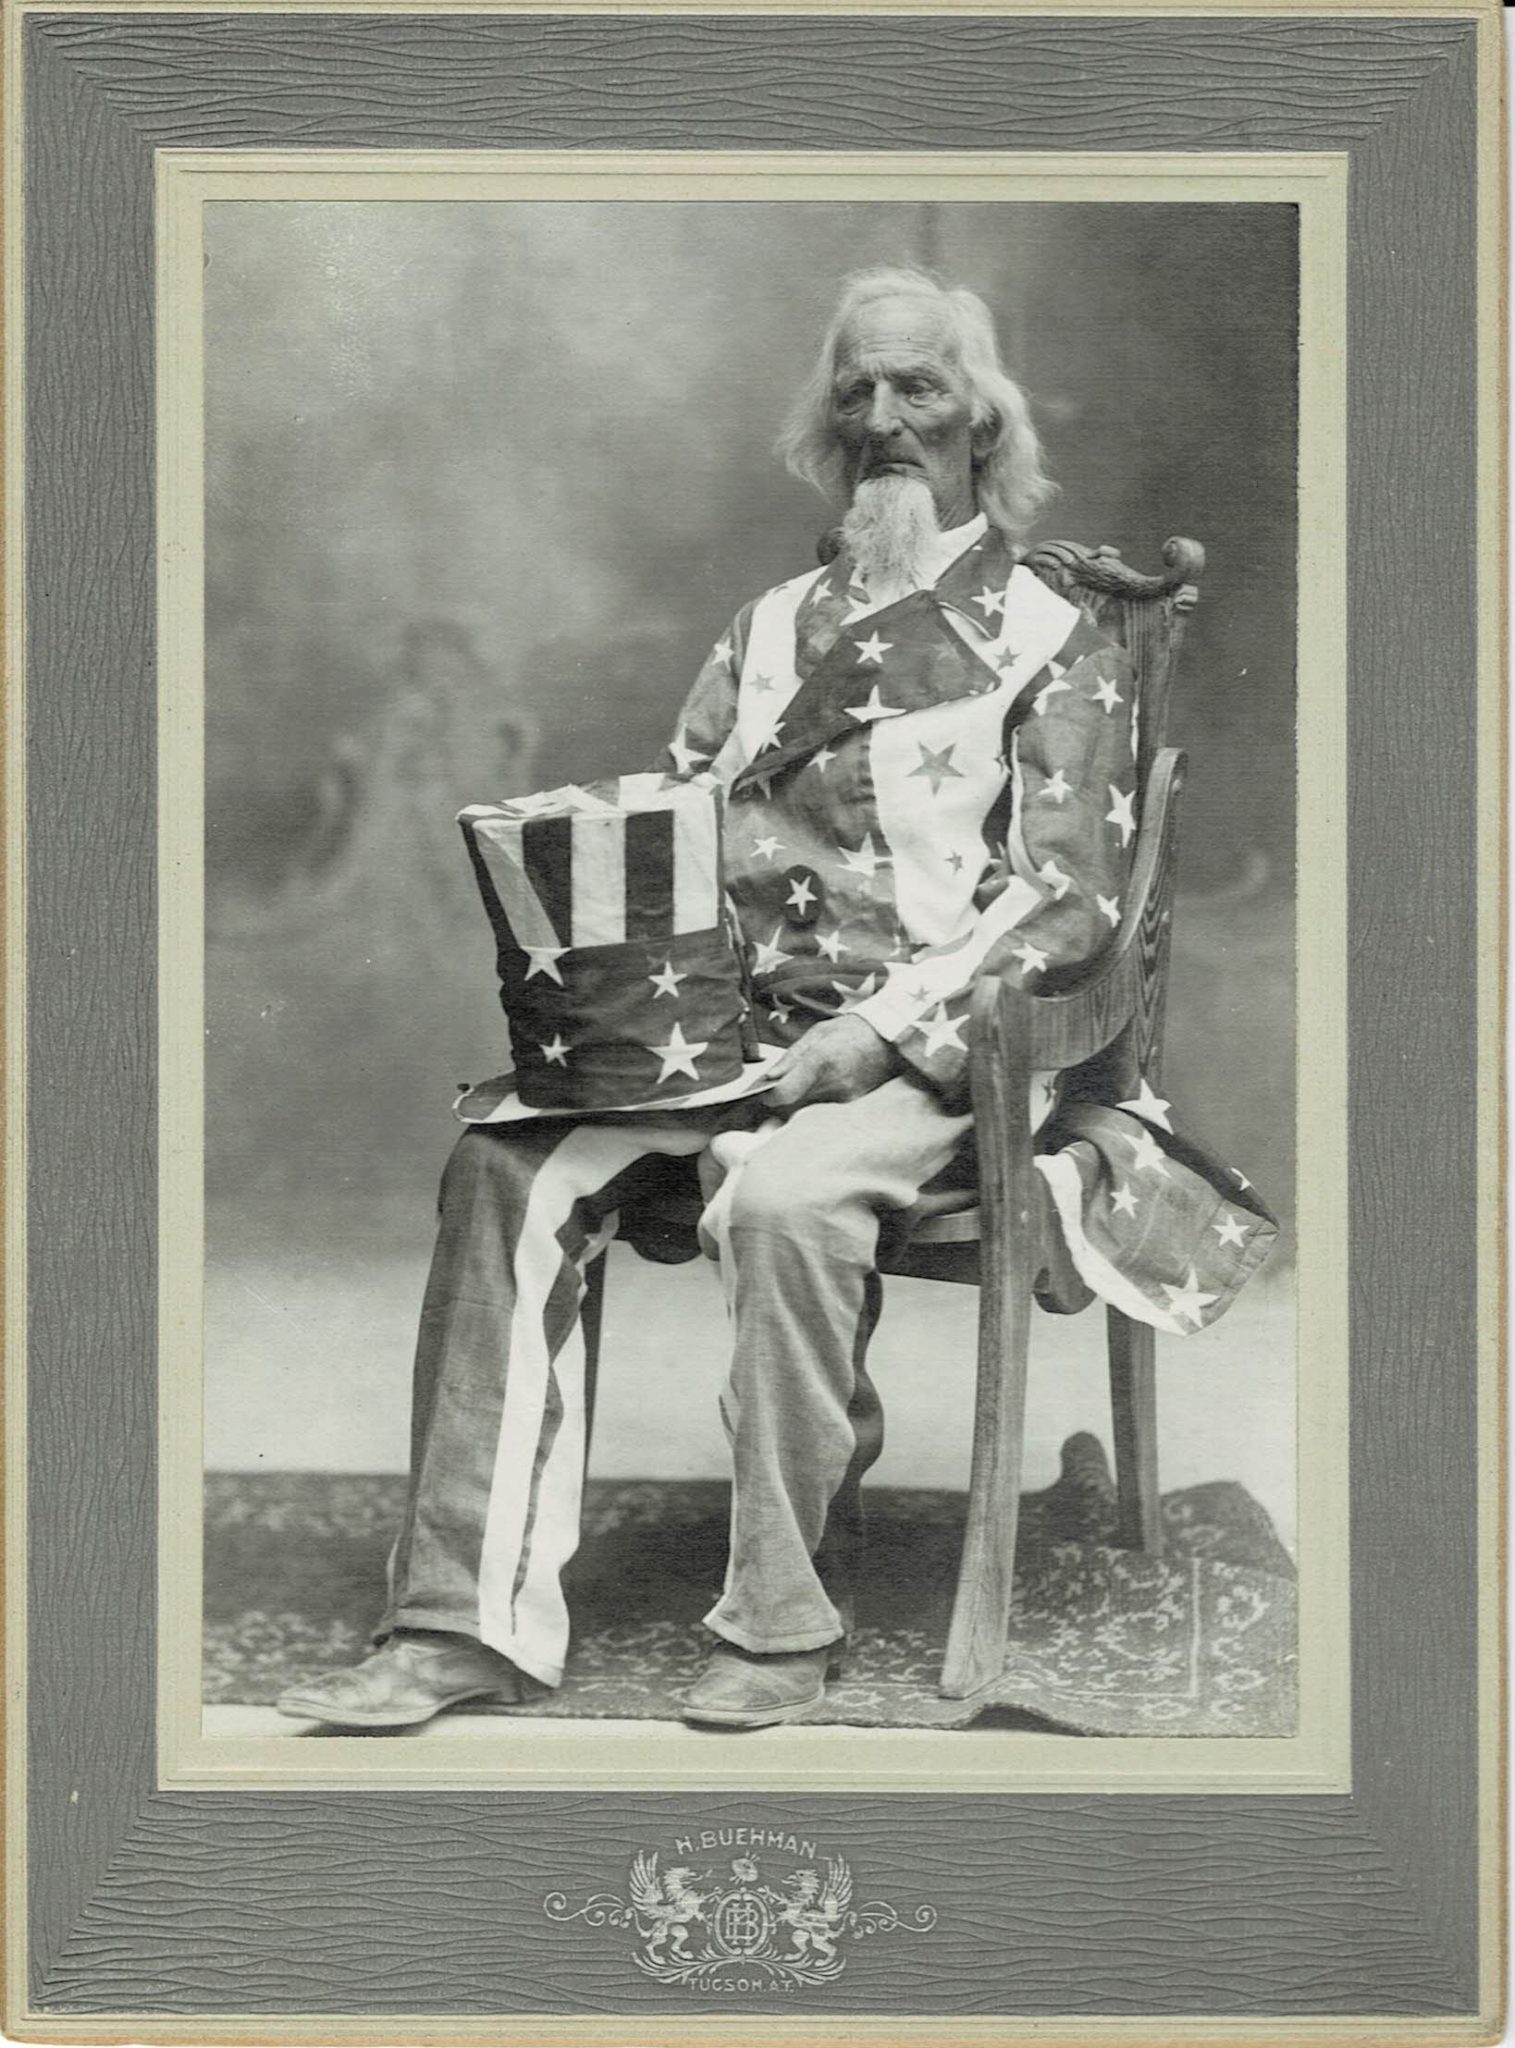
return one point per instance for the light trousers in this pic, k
(498, 1427)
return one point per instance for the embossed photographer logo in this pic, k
(774, 1918)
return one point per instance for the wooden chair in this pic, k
(1102, 1032)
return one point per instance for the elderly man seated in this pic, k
(929, 758)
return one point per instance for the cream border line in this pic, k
(1485, 11)
(733, 2030)
(583, 1756)
(15, 1132)
(1496, 58)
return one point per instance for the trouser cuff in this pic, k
(763, 1643)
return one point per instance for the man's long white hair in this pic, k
(1011, 483)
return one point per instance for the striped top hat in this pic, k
(618, 974)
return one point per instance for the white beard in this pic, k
(888, 529)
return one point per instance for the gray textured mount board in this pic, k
(143, 1914)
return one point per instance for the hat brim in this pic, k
(496, 1101)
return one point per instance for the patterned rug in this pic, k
(1103, 1641)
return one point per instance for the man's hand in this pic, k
(836, 1061)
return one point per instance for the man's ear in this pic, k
(985, 433)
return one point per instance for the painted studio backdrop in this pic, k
(484, 482)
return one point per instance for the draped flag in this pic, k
(618, 976)
(1156, 1226)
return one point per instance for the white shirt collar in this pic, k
(946, 548)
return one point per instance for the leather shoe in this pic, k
(740, 1689)
(405, 1682)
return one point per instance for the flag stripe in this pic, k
(547, 858)
(696, 868)
(551, 1535)
(649, 874)
(504, 934)
(499, 845)
(589, 1158)
(598, 881)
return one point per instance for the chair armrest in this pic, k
(1073, 1025)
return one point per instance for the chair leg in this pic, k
(1133, 1407)
(981, 1610)
(591, 1318)
(1001, 1072)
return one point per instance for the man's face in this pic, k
(900, 406)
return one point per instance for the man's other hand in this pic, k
(835, 1061)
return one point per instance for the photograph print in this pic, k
(749, 968)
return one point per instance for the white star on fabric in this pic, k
(544, 960)
(940, 1031)
(767, 848)
(872, 649)
(781, 1011)
(768, 955)
(801, 895)
(1031, 957)
(831, 945)
(1047, 692)
(1108, 906)
(556, 1054)
(684, 754)
(758, 785)
(1124, 1200)
(992, 601)
(1122, 813)
(1149, 1106)
(824, 758)
(1058, 787)
(1055, 879)
(1240, 1178)
(874, 708)
(1107, 694)
(936, 765)
(853, 996)
(667, 982)
(771, 737)
(1230, 1230)
(1187, 1301)
(721, 651)
(865, 859)
(1149, 1154)
(679, 1054)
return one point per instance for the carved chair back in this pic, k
(1146, 614)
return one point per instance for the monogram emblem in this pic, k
(748, 1927)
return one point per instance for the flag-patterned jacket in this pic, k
(921, 788)
(914, 788)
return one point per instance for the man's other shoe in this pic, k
(740, 1689)
(405, 1682)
